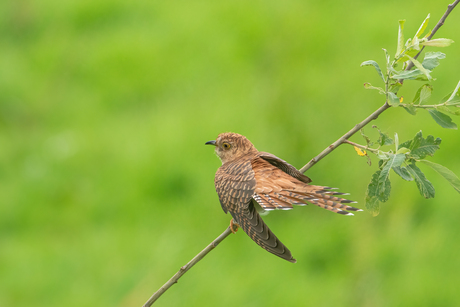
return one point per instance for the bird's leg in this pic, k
(234, 226)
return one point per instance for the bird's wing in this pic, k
(271, 184)
(275, 189)
(235, 184)
(251, 222)
(284, 166)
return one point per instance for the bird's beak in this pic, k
(211, 143)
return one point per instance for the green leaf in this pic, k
(438, 42)
(426, 147)
(454, 93)
(372, 200)
(384, 139)
(410, 108)
(393, 100)
(396, 160)
(423, 94)
(369, 86)
(449, 100)
(400, 47)
(411, 52)
(377, 67)
(382, 155)
(427, 34)
(403, 172)
(424, 185)
(431, 59)
(448, 110)
(395, 87)
(415, 43)
(393, 161)
(446, 173)
(420, 67)
(384, 188)
(453, 97)
(420, 147)
(415, 74)
(442, 119)
(384, 185)
(387, 57)
(422, 26)
(403, 150)
(414, 143)
(373, 205)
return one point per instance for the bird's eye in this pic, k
(226, 145)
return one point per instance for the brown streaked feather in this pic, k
(275, 189)
(251, 222)
(235, 184)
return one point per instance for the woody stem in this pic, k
(188, 266)
(345, 137)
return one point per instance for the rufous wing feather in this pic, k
(277, 189)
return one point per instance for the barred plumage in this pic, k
(248, 176)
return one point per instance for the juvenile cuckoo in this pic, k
(250, 181)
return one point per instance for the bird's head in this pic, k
(232, 146)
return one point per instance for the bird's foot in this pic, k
(234, 226)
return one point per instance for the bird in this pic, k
(250, 182)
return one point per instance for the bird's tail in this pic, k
(251, 222)
(321, 196)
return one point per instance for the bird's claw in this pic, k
(234, 226)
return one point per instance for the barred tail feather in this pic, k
(326, 199)
(251, 222)
(274, 201)
(320, 196)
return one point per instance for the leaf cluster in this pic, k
(393, 79)
(403, 162)
(449, 105)
(405, 158)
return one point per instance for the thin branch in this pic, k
(361, 146)
(440, 23)
(312, 162)
(344, 137)
(188, 266)
(428, 106)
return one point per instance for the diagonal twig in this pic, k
(345, 137)
(440, 23)
(187, 267)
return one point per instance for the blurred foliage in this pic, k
(107, 188)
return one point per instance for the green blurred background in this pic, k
(106, 187)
